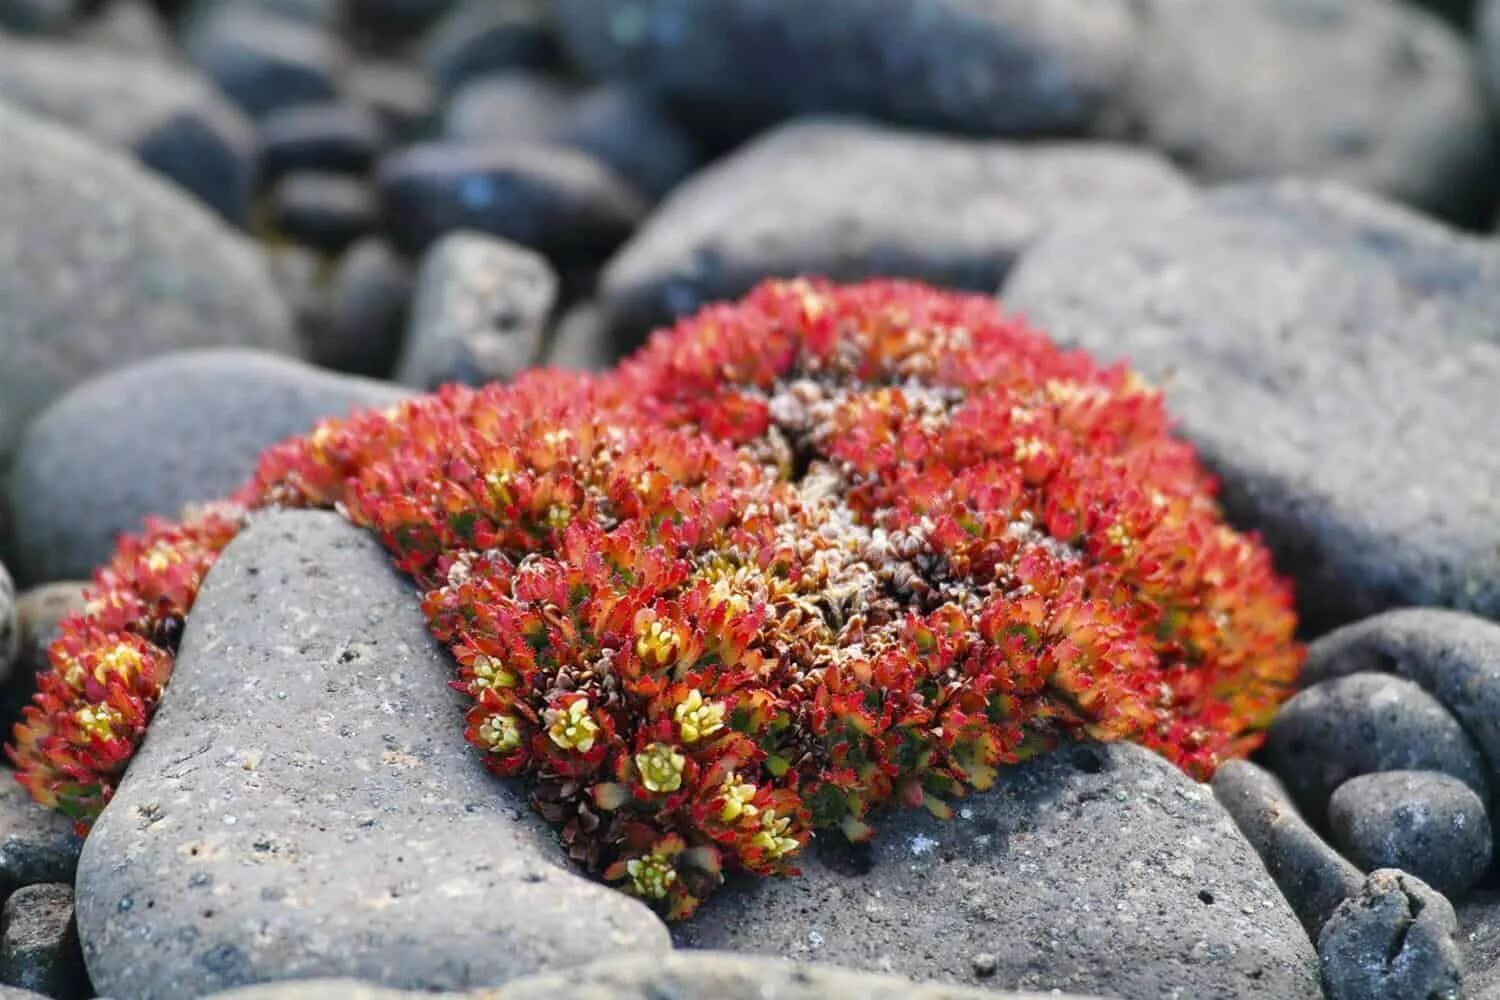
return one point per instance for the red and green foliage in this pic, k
(824, 550)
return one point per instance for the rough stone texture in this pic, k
(481, 37)
(102, 264)
(39, 946)
(171, 119)
(1312, 876)
(1092, 868)
(36, 845)
(153, 437)
(479, 312)
(307, 806)
(1422, 822)
(849, 200)
(1394, 940)
(1479, 940)
(989, 66)
(10, 627)
(1373, 93)
(678, 976)
(1454, 656)
(1291, 325)
(556, 201)
(367, 307)
(38, 612)
(1362, 723)
(263, 61)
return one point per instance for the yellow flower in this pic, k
(772, 837)
(120, 659)
(501, 733)
(699, 718)
(652, 876)
(661, 767)
(737, 798)
(573, 728)
(99, 721)
(159, 558)
(488, 673)
(659, 645)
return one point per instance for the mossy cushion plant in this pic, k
(827, 549)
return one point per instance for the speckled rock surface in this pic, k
(847, 199)
(153, 437)
(39, 943)
(102, 264)
(1373, 93)
(36, 845)
(1312, 876)
(678, 976)
(172, 120)
(1291, 325)
(479, 312)
(1428, 824)
(1088, 869)
(1361, 723)
(996, 66)
(1454, 656)
(335, 823)
(1394, 940)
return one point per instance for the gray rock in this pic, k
(1362, 723)
(1372, 93)
(581, 340)
(1487, 30)
(1092, 868)
(335, 822)
(559, 202)
(518, 106)
(1429, 824)
(480, 37)
(325, 211)
(36, 845)
(170, 119)
(479, 313)
(1479, 941)
(37, 17)
(1454, 656)
(367, 308)
(102, 264)
(339, 137)
(10, 626)
(263, 61)
(679, 975)
(399, 94)
(154, 437)
(1289, 325)
(1311, 874)
(998, 66)
(38, 614)
(1394, 940)
(131, 27)
(39, 946)
(851, 200)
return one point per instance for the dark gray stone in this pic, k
(1429, 824)
(1372, 93)
(1311, 874)
(337, 137)
(559, 202)
(1487, 30)
(10, 626)
(1454, 656)
(153, 437)
(265, 62)
(1362, 723)
(367, 308)
(851, 200)
(37, 17)
(102, 264)
(38, 613)
(328, 819)
(1092, 868)
(396, 21)
(1392, 941)
(1290, 325)
(39, 946)
(325, 211)
(480, 37)
(36, 844)
(998, 66)
(621, 125)
(479, 313)
(170, 119)
(399, 95)
(1479, 941)
(678, 976)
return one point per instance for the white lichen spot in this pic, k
(922, 845)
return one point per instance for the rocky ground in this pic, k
(223, 221)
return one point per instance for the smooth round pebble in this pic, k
(1422, 822)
